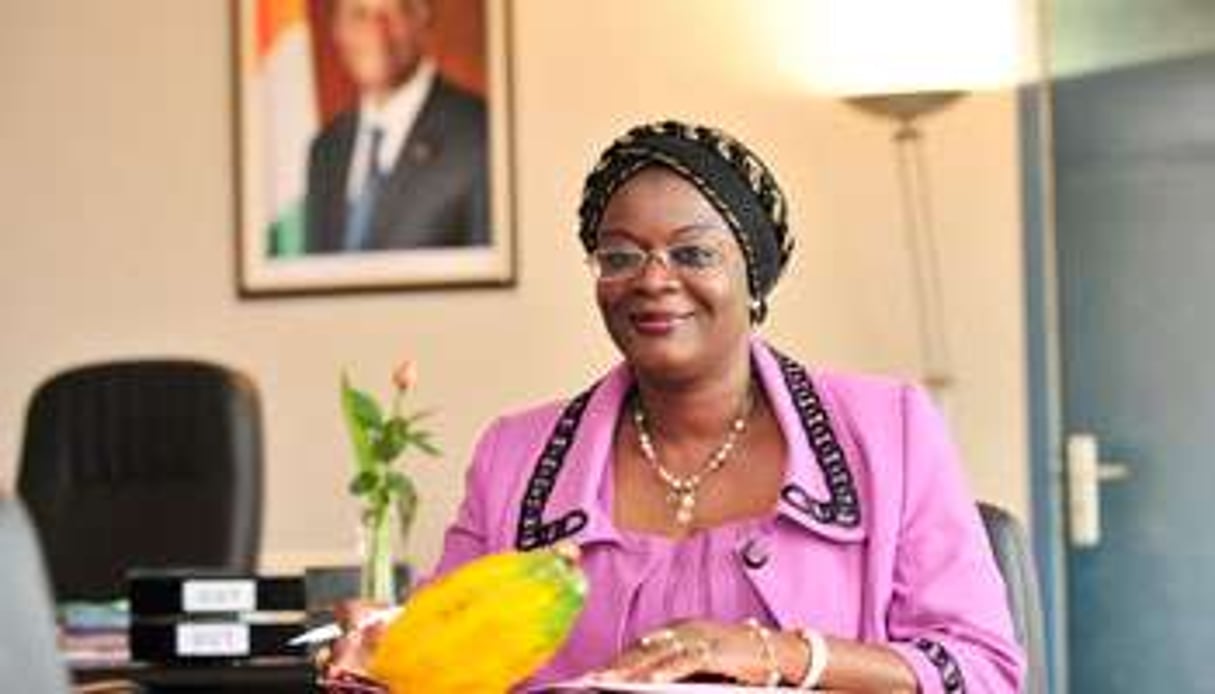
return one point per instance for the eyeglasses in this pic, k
(620, 262)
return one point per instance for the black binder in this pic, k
(157, 593)
(189, 640)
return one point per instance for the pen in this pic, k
(331, 631)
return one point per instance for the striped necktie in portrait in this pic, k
(361, 210)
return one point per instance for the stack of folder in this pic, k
(94, 634)
(190, 616)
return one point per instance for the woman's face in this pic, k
(674, 319)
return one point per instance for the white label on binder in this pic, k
(218, 595)
(211, 640)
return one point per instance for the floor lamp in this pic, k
(906, 109)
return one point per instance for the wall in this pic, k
(118, 196)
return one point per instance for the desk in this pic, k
(258, 676)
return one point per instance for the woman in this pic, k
(740, 516)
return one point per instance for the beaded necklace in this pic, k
(682, 491)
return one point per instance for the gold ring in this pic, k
(703, 651)
(658, 638)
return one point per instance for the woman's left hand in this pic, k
(691, 647)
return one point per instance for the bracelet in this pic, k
(764, 634)
(816, 663)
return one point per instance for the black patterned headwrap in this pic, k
(738, 185)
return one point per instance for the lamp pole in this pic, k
(906, 109)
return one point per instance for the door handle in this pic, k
(1085, 473)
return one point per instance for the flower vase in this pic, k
(377, 581)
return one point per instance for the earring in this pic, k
(759, 309)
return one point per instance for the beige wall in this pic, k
(118, 198)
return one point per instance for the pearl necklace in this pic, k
(681, 491)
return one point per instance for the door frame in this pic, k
(1043, 355)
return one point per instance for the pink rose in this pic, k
(406, 375)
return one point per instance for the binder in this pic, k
(159, 593)
(195, 640)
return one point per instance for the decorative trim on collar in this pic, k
(843, 508)
(951, 675)
(533, 532)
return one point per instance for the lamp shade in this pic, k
(859, 47)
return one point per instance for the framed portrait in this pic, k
(373, 145)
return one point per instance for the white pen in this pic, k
(331, 631)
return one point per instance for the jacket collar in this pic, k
(820, 492)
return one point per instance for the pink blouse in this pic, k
(685, 579)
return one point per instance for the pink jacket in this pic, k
(875, 536)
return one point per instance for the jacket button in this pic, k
(754, 554)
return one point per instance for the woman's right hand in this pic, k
(344, 667)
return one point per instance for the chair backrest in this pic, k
(1016, 562)
(142, 464)
(29, 655)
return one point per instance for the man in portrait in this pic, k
(407, 166)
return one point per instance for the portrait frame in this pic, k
(275, 249)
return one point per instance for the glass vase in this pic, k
(377, 580)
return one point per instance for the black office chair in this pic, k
(142, 464)
(1016, 562)
(29, 654)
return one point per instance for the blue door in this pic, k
(1134, 166)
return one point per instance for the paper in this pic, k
(218, 595)
(217, 639)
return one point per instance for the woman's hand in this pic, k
(692, 647)
(344, 662)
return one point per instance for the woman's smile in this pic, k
(658, 323)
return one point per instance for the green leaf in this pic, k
(419, 416)
(396, 482)
(364, 483)
(422, 441)
(392, 440)
(366, 409)
(362, 419)
(407, 506)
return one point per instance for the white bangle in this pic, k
(819, 654)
